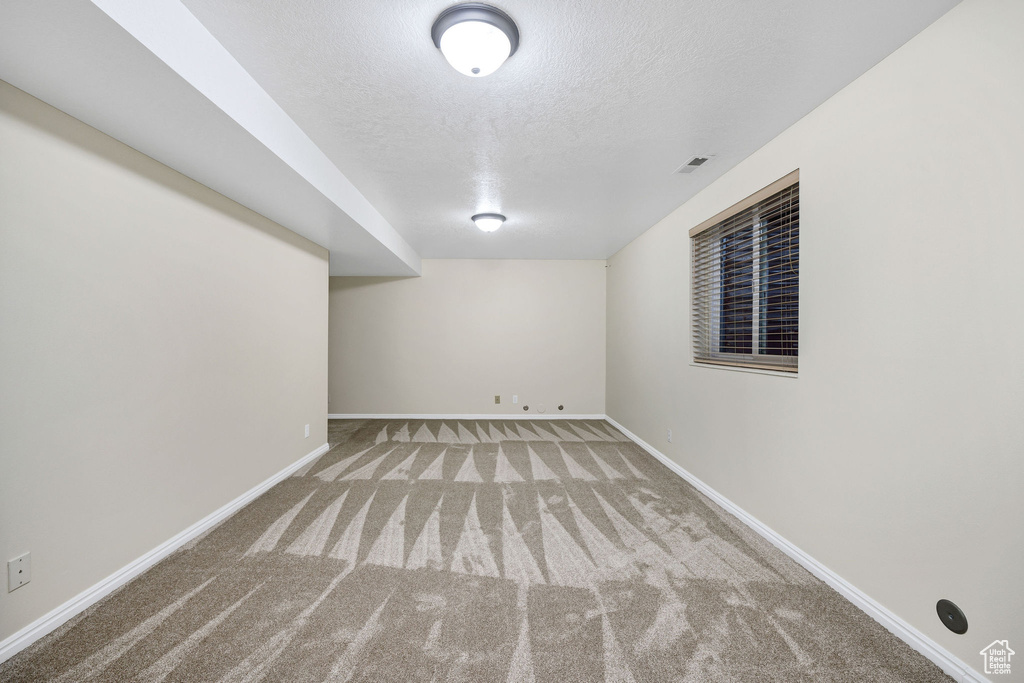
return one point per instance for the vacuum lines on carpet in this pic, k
(475, 550)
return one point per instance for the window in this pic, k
(745, 281)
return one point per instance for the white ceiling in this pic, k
(575, 138)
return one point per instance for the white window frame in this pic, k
(755, 360)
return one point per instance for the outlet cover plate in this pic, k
(19, 571)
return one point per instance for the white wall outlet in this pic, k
(307, 431)
(19, 571)
(670, 436)
(515, 398)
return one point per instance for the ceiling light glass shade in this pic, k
(488, 222)
(476, 39)
(475, 48)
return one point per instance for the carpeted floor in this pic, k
(476, 551)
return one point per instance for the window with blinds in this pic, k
(745, 281)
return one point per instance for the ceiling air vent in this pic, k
(694, 163)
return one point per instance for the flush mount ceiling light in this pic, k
(488, 222)
(475, 38)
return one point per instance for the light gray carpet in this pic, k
(476, 551)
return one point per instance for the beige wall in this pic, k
(896, 458)
(161, 349)
(449, 341)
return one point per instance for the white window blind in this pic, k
(745, 281)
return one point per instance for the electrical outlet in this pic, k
(19, 571)
(515, 398)
(307, 431)
(497, 399)
(670, 436)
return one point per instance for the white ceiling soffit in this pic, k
(150, 75)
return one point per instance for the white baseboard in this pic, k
(941, 657)
(17, 642)
(490, 416)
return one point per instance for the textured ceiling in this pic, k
(575, 138)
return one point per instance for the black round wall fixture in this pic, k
(951, 616)
(561, 407)
(526, 407)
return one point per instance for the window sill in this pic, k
(740, 368)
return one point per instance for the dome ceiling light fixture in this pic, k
(488, 222)
(475, 38)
